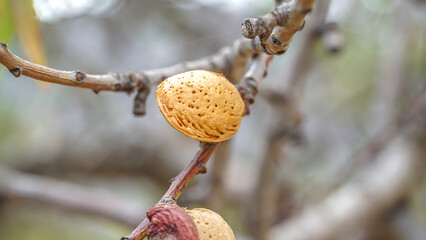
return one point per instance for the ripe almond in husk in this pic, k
(201, 104)
(210, 225)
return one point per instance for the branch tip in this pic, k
(247, 29)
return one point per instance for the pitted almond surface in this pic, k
(210, 225)
(201, 104)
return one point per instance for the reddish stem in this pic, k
(178, 184)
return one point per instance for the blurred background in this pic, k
(324, 154)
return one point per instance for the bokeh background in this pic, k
(91, 147)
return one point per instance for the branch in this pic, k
(390, 178)
(80, 199)
(249, 84)
(277, 28)
(178, 184)
(229, 60)
(384, 184)
(287, 128)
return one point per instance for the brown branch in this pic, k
(395, 170)
(355, 204)
(287, 129)
(249, 84)
(277, 28)
(229, 60)
(76, 198)
(178, 184)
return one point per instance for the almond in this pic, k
(210, 225)
(202, 105)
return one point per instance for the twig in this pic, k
(80, 199)
(249, 84)
(229, 60)
(287, 128)
(178, 184)
(276, 29)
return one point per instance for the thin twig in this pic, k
(178, 184)
(249, 84)
(399, 164)
(14, 184)
(287, 128)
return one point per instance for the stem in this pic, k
(178, 184)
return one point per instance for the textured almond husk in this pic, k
(169, 221)
(202, 105)
(210, 225)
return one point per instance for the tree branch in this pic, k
(387, 180)
(230, 60)
(277, 28)
(287, 128)
(80, 199)
(178, 184)
(249, 84)
(351, 206)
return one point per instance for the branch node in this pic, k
(275, 40)
(203, 169)
(247, 28)
(17, 72)
(96, 91)
(144, 87)
(80, 76)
